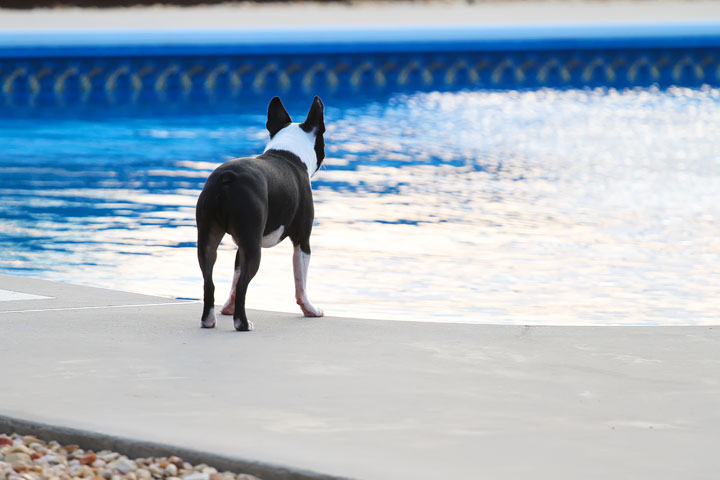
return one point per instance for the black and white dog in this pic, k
(259, 201)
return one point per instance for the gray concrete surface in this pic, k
(364, 398)
(456, 12)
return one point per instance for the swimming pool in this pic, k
(521, 206)
(165, 66)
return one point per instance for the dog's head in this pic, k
(305, 140)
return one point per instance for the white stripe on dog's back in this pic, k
(297, 141)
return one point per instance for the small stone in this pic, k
(71, 448)
(105, 473)
(156, 470)
(177, 461)
(18, 461)
(20, 448)
(38, 447)
(123, 465)
(54, 459)
(36, 455)
(5, 440)
(221, 476)
(79, 453)
(88, 458)
(143, 474)
(98, 463)
(196, 476)
(28, 439)
(107, 456)
(171, 470)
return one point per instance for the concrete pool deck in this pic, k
(364, 398)
(364, 13)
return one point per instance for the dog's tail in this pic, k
(231, 197)
(227, 178)
(211, 202)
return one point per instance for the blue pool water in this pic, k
(513, 207)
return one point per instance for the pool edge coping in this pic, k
(144, 42)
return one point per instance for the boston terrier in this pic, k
(259, 201)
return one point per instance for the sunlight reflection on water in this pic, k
(539, 207)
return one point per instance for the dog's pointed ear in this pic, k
(315, 117)
(278, 117)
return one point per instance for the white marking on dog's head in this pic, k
(297, 141)
(305, 140)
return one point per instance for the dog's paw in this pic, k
(309, 310)
(241, 326)
(229, 307)
(209, 321)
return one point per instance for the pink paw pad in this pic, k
(310, 312)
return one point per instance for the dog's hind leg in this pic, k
(229, 307)
(209, 237)
(246, 207)
(249, 264)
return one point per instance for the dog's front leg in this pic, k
(301, 261)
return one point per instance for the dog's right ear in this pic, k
(278, 117)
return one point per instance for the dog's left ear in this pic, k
(315, 117)
(278, 117)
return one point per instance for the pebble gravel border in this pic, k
(137, 448)
(30, 458)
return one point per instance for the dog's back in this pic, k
(237, 193)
